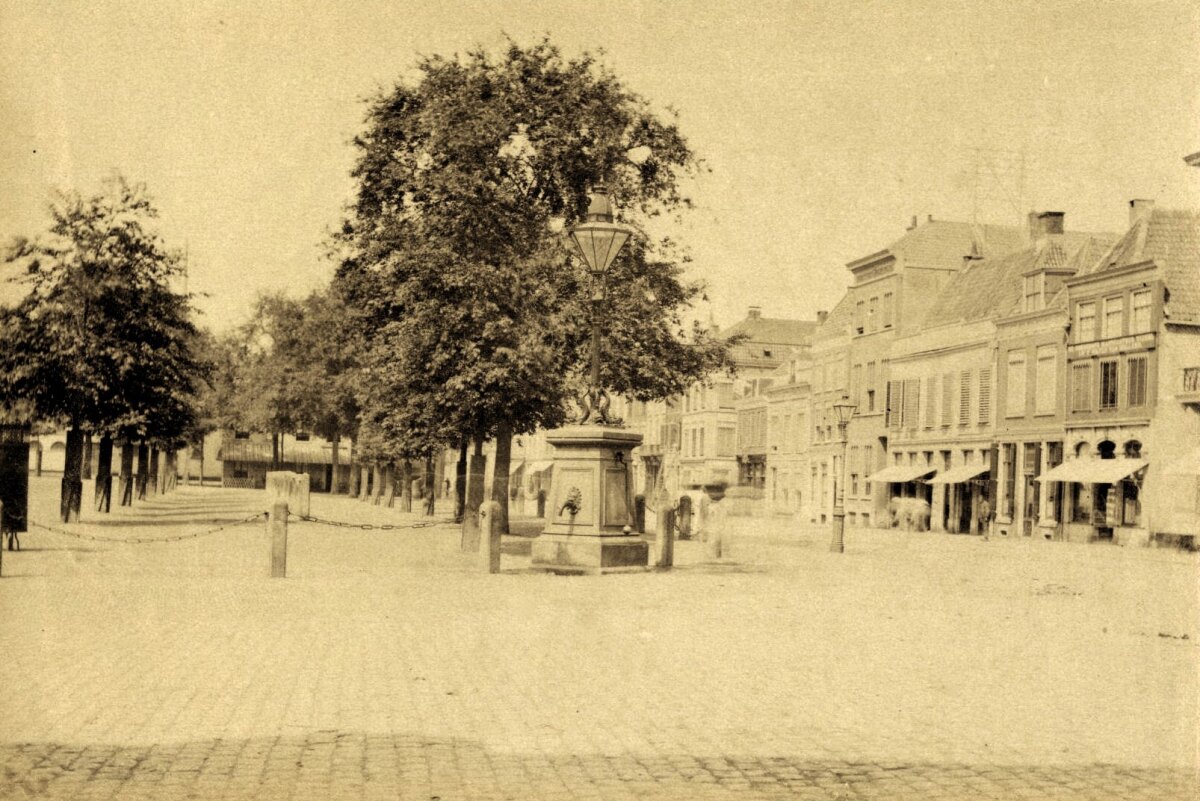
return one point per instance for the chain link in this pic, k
(147, 540)
(364, 526)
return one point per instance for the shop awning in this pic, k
(957, 475)
(537, 467)
(1093, 471)
(900, 473)
(515, 466)
(1188, 465)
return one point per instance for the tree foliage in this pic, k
(475, 315)
(102, 340)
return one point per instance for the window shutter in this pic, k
(947, 398)
(964, 398)
(985, 394)
(930, 394)
(912, 403)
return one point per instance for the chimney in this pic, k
(974, 255)
(1139, 209)
(1045, 223)
(755, 313)
(822, 316)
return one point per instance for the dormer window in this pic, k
(1035, 292)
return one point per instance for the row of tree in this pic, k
(103, 340)
(456, 313)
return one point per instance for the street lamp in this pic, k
(598, 240)
(843, 410)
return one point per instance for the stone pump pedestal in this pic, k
(591, 504)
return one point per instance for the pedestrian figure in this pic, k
(985, 517)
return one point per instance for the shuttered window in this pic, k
(1137, 380)
(985, 395)
(964, 398)
(895, 403)
(947, 399)
(912, 402)
(930, 396)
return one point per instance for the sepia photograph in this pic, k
(598, 401)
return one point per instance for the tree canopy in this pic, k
(475, 317)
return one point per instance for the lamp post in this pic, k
(843, 410)
(598, 240)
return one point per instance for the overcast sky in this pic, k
(826, 125)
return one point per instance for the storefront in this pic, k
(1101, 499)
(965, 487)
(908, 496)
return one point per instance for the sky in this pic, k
(826, 126)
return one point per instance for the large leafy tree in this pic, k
(101, 340)
(478, 315)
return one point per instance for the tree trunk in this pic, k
(86, 472)
(439, 473)
(406, 478)
(389, 485)
(377, 484)
(333, 460)
(364, 481)
(201, 461)
(276, 451)
(72, 482)
(39, 460)
(460, 483)
(430, 486)
(170, 469)
(476, 474)
(104, 475)
(152, 480)
(500, 473)
(125, 487)
(352, 479)
(143, 470)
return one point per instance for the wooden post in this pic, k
(491, 526)
(664, 543)
(277, 528)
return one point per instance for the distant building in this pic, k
(247, 457)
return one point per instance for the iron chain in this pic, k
(363, 526)
(147, 540)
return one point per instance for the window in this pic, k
(912, 403)
(1109, 370)
(1139, 315)
(888, 310)
(1033, 292)
(947, 398)
(873, 315)
(725, 441)
(1137, 380)
(1085, 322)
(868, 467)
(1081, 387)
(930, 395)
(985, 394)
(854, 474)
(701, 453)
(1045, 386)
(870, 386)
(856, 387)
(964, 398)
(1008, 456)
(1014, 385)
(860, 317)
(1114, 311)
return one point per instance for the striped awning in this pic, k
(957, 475)
(901, 473)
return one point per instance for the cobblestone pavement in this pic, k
(388, 666)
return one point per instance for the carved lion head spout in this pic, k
(573, 503)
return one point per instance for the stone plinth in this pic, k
(590, 510)
(291, 487)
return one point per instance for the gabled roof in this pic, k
(773, 330)
(1171, 239)
(992, 287)
(944, 243)
(837, 323)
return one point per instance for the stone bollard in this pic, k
(639, 513)
(714, 523)
(685, 518)
(291, 487)
(490, 524)
(664, 543)
(277, 528)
